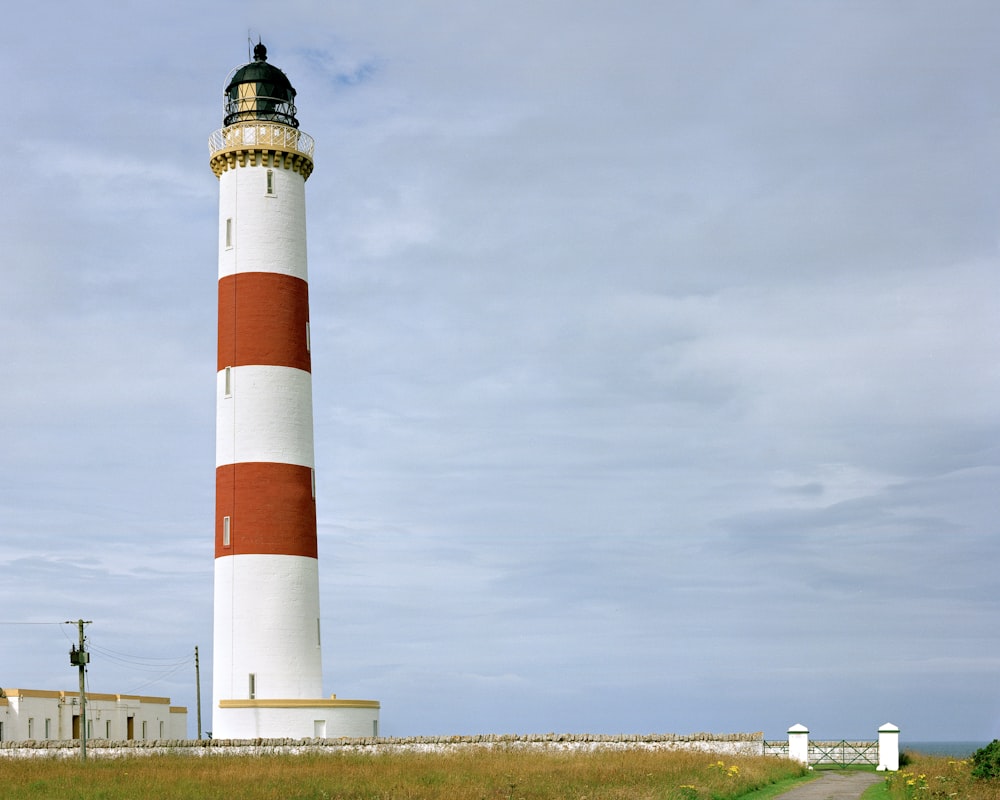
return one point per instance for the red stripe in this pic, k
(271, 509)
(263, 318)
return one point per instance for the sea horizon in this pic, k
(955, 749)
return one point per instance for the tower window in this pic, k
(308, 338)
(229, 382)
(229, 233)
(312, 475)
(253, 685)
(226, 527)
(318, 642)
(270, 181)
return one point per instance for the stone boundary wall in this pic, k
(748, 744)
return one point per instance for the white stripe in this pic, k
(267, 417)
(266, 612)
(269, 231)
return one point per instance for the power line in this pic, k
(158, 668)
(158, 679)
(146, 662)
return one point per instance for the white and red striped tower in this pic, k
(267, 670)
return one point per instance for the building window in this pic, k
(229, 382)
(107, 729)
(253, 686)
(48, 728)
(226, 528)
(161, 728)
(375, 728)
(270, 181)
(31, 727)
(144, 729)
(1, 731)
(229, 233)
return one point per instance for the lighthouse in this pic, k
(267, 657)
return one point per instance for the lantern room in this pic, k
(260, 91)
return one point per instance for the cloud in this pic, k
(654, 359)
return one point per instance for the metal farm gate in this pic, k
(831, 754)
(843, 754)
(776, 748)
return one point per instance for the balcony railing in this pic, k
(261, 134)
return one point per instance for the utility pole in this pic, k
(197, 683)
(80, 658)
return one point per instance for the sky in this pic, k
(655, 357)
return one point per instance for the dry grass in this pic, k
(467, 775)
(938, 778)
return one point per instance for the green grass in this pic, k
(500, 774)
(880, 791)
(934, 777)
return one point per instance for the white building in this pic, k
(34, 714)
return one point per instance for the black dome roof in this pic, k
(260, 91)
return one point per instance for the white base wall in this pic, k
(307, 722)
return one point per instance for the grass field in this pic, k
(937, 778)
(467, 775)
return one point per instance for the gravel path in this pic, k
(833, 786)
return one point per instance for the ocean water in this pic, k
(952, 749)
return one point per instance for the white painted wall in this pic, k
(888, 747)
(25, 713)
(798, 743)
(297, 723)
(268, 416)
(269, 231)
(266, 623)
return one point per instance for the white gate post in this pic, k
(888, 747)
(798, 744)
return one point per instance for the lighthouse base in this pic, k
(295, 719)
